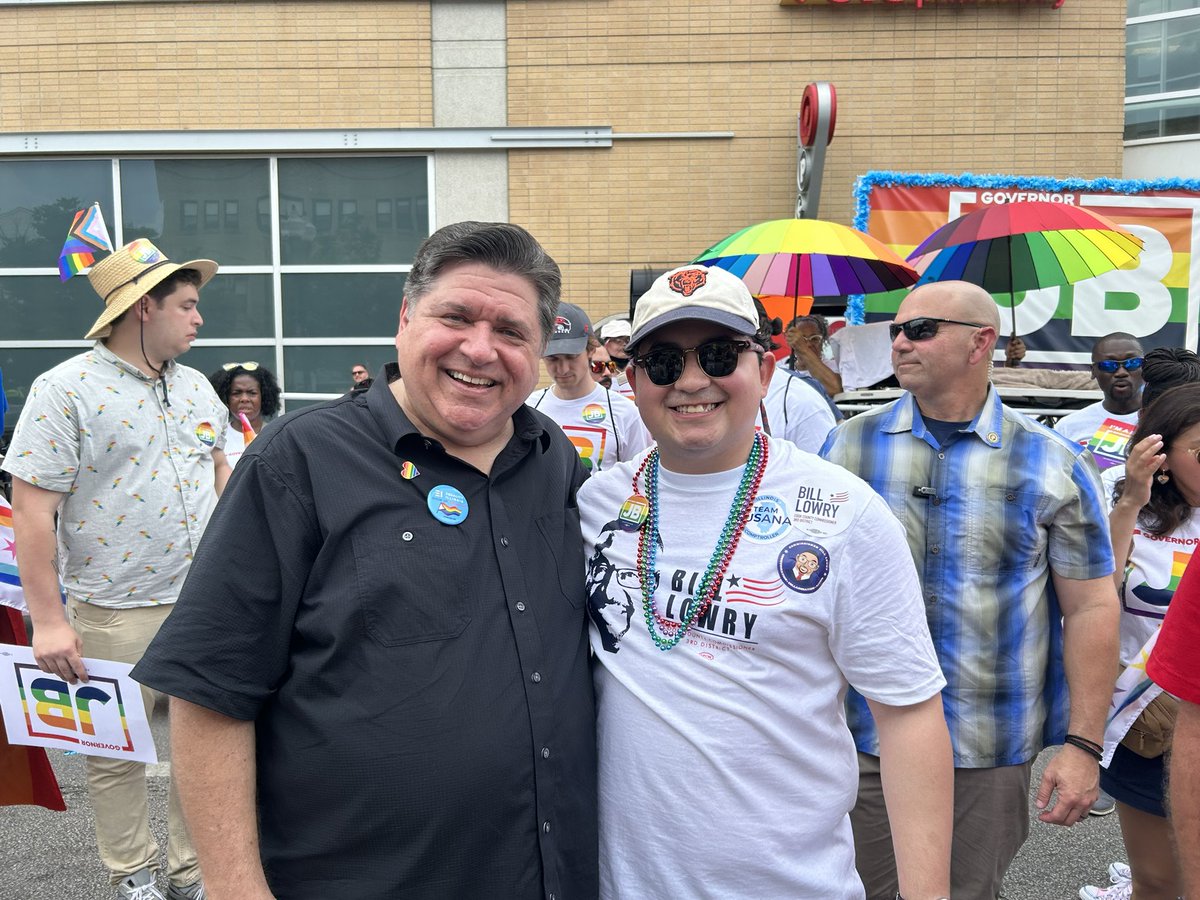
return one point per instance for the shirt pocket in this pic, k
(1004, 533)
(411, 592)
(562, 563)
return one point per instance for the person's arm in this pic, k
(1184, 782)
(917, 768)
(1145, 457)
(214, 766)
(805, 352)
(56, 647)
(1090, 615)
(221, 470)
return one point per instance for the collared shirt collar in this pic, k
(987, 424)
(397, 425)
(101, 350)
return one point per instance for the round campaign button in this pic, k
(633, 512)
(447, 504)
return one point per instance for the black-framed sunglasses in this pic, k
(717, 358)
(925, 328)
(600, 366)
(248, 366)
(1111, 365)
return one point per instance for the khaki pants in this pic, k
(118, 789)
(991, 822)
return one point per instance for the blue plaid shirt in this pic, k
(988, 517)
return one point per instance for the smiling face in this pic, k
(1122, 389)
(571, 373)
(702, 424)
(468, 355)
(245, 397)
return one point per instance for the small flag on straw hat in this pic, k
(87, 234)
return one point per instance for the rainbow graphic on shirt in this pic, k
(408, 471)
(1109, 442)
(1153, 601)
(206, 434)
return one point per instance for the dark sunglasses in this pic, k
(924, 328)
(1111, 365)
(718, 359)
(248, 366)
(600, 366)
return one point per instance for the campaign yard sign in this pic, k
(103, 717)
(1156, 301)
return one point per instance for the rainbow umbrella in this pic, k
(1025, 246)
(788, 262)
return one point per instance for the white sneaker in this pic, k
(139, 886)
(1121, 891)
(1118, 872)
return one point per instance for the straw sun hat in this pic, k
(124, 277)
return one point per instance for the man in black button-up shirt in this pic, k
(383, 638)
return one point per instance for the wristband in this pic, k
(1091, 748)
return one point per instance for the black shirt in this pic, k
(423, 707)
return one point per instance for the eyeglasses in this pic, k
(600, 366)
(924, 328)
(248, 366)
(718, 359)
(1111, 365)
(358, 371)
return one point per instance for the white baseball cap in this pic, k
(707, 293)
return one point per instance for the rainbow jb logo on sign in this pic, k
(102, 717)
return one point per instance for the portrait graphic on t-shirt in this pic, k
(614, 594)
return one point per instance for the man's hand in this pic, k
(1072, 778)
(59, 651)
(1014, 352)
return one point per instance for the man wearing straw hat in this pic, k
(124, 446)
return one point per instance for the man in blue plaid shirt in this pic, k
(1007, 525)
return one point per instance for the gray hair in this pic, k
(499, 245)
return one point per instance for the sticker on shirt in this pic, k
(408, 471)
(447, 504)
(804, 566)
(206, 434)
(822, 512)
(768, 520)
(1109, 442)
(594, 414)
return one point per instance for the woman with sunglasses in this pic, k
(1154, 530)
(808, 337)
(250, 390)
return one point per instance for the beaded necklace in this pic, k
(735, 523)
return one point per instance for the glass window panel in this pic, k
(209, 359)
(238, 306)
(372, 307)
(21, 367)
(326, 369)
(1181, 117)
(1177, 5)
(38, 201)
(153, 189)
(1181, 54)
(312, 190)
(1142, 122)
(1136, 8)
(42, 308)
(1143, 59)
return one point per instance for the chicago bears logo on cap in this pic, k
(688, 281)
(562, 325)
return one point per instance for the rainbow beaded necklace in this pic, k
(647, 553)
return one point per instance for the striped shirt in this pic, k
(988, 517)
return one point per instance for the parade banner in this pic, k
(102, 717)
(1156, 301)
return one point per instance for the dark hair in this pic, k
(768, 327)
(816, 319)
(168, 285)
(1173, 413)
(1165, 368)
(500, 245)
(268, 387)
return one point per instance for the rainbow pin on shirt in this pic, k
(448, 504)
(408, 471)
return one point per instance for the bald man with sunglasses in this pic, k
(1006, 522)
(1105, 426)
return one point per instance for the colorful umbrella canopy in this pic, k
(787, 262)
(1024, 246)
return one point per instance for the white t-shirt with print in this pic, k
(797, 412)
(604, 426)
(725, 766)
(1106, 434)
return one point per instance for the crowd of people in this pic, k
(667, 627)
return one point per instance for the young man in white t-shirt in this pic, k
(772, 580)
(1105, 426)
(604, 426)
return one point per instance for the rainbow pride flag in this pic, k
(87, 234)
(11, 593)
